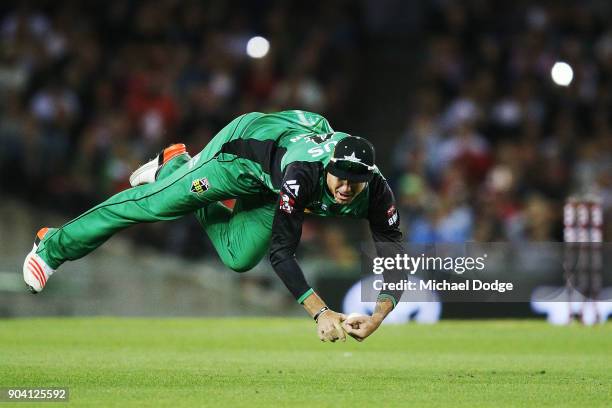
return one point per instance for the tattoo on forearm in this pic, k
(381, 306)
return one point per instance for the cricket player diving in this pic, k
(278, 167)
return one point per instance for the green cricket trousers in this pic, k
(184, 186)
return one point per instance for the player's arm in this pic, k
(384, 225)
(299, 183)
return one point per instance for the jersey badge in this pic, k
(392, 215)
(198, 186)
(286, 203)
(292, 186)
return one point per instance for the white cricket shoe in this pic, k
(36, 272)
(147, 173)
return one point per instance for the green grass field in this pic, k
(259, 362)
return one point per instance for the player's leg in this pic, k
(163, 200)
(174, 194)
(166, 199)
(192, 186)
(242, 236)
(36, 270)
(184, 191)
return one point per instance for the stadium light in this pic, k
(562, 73)
(257, 47)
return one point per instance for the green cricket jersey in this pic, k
(288, 152)
(272, 164)
(272, 142)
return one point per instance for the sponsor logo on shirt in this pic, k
(198, 186)
(392, 215)
(292, 186)
(319, 138)
(286, 203)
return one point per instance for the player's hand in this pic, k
(360, 327)
(329, 326)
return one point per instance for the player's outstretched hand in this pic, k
(360, 327)
(329, 326)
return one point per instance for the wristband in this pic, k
(385, 296)
(319, 313)
(304, 296)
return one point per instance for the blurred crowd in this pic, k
(491, 146)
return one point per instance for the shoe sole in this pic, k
(142, 169)
(39, 236)
(163, 157)
(29, 287)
